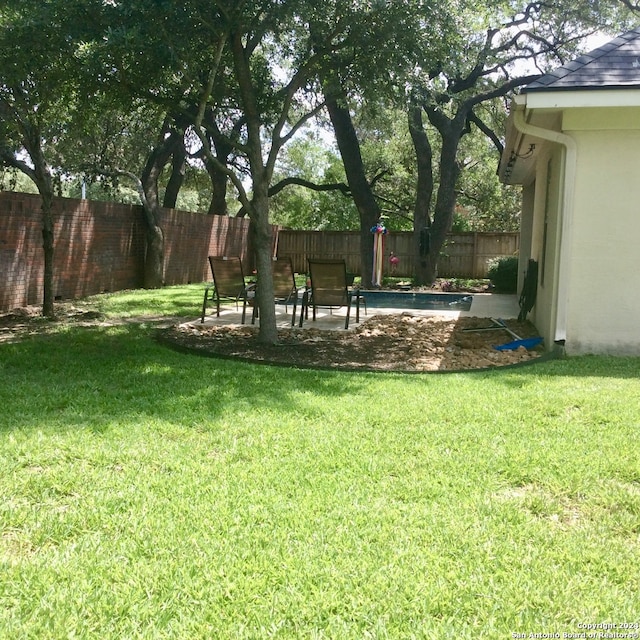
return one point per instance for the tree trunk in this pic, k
(41, 175)
(154, 256)
(178, 164)
(451, 131)
(219, 183)
(361, 191)
(445, 202)
(48, 247)
(261, 238)
(258, 207)
(424, 193)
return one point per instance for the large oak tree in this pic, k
(39, 74)
(496, 48)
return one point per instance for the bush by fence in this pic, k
(503, 274)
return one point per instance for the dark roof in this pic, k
(615, 65)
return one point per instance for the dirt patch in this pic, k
(398, 342)
(24, 322)
(27, 321)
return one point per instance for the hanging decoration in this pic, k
(379, 231)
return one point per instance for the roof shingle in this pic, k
(615, 65)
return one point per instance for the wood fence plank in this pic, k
(465, 255)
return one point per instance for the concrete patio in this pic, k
(484, 305)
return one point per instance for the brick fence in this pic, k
(99, 246)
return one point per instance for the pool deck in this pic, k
(484, 305)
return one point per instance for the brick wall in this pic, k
(191, 237)
(99, 246)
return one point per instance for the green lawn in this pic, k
(150, 494)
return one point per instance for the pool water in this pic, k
(413, 300)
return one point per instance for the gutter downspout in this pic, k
(564, 264)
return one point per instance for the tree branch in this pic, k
(301, 182)
(115, 173)
(395, 213)
(305, 118)
(490, 133)
(289, 91)
(200, 130)
(337, 186)
(9, 159)
(502, 89)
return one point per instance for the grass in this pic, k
(181, 301)
(149, 494)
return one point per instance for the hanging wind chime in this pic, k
(379, 231)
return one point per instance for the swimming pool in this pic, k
(418, 300)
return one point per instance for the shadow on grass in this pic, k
(97, 376)
(100, 376)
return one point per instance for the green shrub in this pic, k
(503, 273)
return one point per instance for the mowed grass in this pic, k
(150, 494)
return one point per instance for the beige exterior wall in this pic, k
(542, 204)
(604, 292)
(526, 229)
(549, 240)
(588, 142)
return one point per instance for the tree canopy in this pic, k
(39, 75)
(318, 114)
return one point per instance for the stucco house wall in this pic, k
(604, 293)
(541, 225)
(573, 142)
(545, 241)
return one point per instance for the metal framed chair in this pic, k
(329, 289)
(228, 284)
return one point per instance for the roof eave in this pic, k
(518, 157)
(582, 97)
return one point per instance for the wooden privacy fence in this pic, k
(465, 255)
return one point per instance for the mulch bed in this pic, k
(398, 342)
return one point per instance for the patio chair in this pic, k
(228, 283)
(329, 289)
(285, 290)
